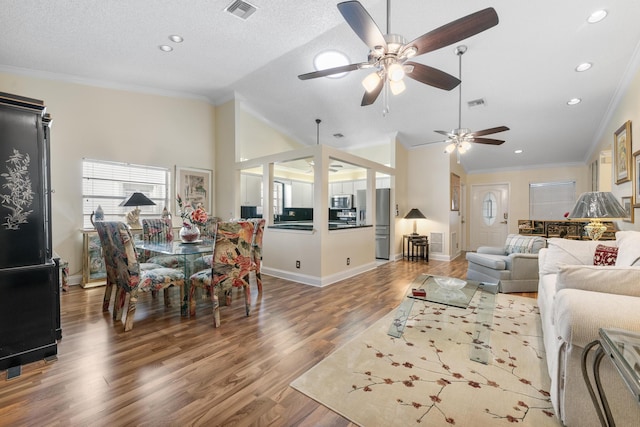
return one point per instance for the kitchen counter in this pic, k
(308, 225)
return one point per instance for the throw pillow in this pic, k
(565, 251)
(628, 243)
(605, 255)
(517, 244)
(609, 279)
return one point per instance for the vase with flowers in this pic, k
(192, 217)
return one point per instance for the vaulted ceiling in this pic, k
(523, 68)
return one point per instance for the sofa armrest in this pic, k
(578, 315)
(491, 250)
(523, 266)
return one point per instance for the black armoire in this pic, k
(29, 290)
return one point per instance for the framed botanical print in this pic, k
(628, 207)
(636, 179)
(194, 187)
(455, 192)
(622, 153)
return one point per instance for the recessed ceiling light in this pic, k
(597, 16)
(165, 48)
(330, 59)
(176, 38)
(574, 101)
(583, 67)
(518, 151)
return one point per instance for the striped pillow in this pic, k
(517, 244)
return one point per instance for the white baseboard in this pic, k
(315, 280)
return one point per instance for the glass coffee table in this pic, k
(460, 298)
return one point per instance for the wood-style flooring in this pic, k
(174, 371)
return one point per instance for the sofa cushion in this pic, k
(628, 243)
(605, 255)
(610, 280)
(565, 251)
(517, 244)
(496, 262)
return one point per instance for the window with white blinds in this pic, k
(551, 200)
(108, 184)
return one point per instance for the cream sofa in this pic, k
(576, 299)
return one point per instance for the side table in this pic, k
(623, 349)
(417, 246)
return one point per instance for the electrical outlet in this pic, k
(348, 261)
(297, 264)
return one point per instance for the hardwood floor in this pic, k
(174, 371)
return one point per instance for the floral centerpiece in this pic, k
(192, 217)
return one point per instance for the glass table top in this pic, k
(624, 347)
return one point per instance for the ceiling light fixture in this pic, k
(176, 38)
(574, 101)
(371, 81)
(330, 59)
(597, 16)
(518, 151)
(165, 48)
(583, 67)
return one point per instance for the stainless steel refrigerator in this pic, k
(383, 222)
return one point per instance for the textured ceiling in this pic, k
(523, 67)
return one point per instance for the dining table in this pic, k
(186, 252)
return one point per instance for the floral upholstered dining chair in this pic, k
(237, 252)
(124, 271)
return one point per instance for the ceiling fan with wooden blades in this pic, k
(390, 54)
(460, 139)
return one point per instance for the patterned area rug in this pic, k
(427, 377)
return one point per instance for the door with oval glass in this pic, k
(489, 215)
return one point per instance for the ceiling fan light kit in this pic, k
(389, 53)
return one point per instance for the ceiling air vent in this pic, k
(480, 102)
(241, 9)
(338, 135)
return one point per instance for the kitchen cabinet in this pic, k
(251, 190)
(301, 194)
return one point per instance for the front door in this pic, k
(489, 215)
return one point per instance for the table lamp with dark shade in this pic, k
(595, 206)
(415, 214)
(136, 199)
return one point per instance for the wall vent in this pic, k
(480, 102)
(241, 9)
(436, 242)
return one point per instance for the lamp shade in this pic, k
(597, 204)
(414, 214)
(137, 199)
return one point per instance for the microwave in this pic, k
(341, 201)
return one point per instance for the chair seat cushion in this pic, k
(159, 278)
(496, 262)
(168, 261)
(149, 266)
(201, 279)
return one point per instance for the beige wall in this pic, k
(255, 138)
(110, 124)
(627, 109)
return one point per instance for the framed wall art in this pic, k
(628, 207)
(622, 153)
(455, 192)
(636, 179)
(194, 186)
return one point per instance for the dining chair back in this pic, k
(237, 253)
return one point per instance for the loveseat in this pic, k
(576, 298)
(514, 265)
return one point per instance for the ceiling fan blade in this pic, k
(362, 24)
(447, 134)
(455, 31)
(487, 141)
(489, 131)
(370, 97)
(329, 71)
(432, 76)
